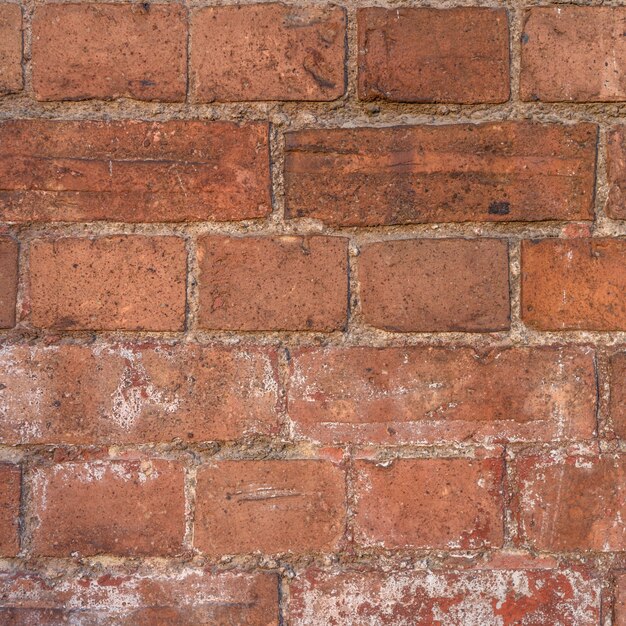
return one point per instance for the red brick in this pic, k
(99, 50)
(429, 503)
(135, 393)
(574, 53)
(125, 508)
(570, 502)
(435, 285)
(267, 52)
(108, 283)
(269, 507)
(133, 171)
(620, 601)
(8, 281)
(10, 48)
(454, 598)
(432, 55)
(616, 173)
(189, 597)
(273, 283)
(617, 407)
(574, 284)
(504, 171)
(441, 395)
(10, 493)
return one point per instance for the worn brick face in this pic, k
(125, 508)
(455, 597)
(8, 280)
(267, 52)
(10, 48)
(108, 283)
(571, 502)
(428, 395)
(434, 503)
(269, 506)
(186, 598)
(10, 498)
(574, 53)
(273, 283)
(134, 393)
(616, 173)
(133, 171)
(504, 171)
(617, 380)
(571, 284)
(433, 55)
(98, 50)
(437, 285)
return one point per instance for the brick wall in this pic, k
(312, 314)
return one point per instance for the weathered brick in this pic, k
(574, 284)
(570, 502)
(620, 601)
(441, 395)
(10, 48)
(503, 171)
(433, 55)
(108, 283)
(429, 503)
(133, 171)
(273, 283)
(574, 53)
(189, 597)
(135, 393)
(435, 285)
(269, 506)
(455, 597)
(99, 50)
(616, 173)
(267, 52)
(617, 406)
(10, 495)
(126, 508)
(8, 281)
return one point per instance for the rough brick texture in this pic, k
(433, 55)
(429, 395)
(458, 597)
(281, 283)
(506, 171)
(133, 171)
(435, 503)
(134, 393)
(312, 313)
(267, 52)
(574, 284)
(428, 286)
(574, 53)
(100, 507)
(270, 507)
(186, 598)
(10, 48)
(108, 283)
(83, 51)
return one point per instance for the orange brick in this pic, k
(574, 284)
(269, 507)
(429, 503)
(99, 50)
(10, 48)
(267, 51)
(109, 283)
(8, 281)
(133, 171)
(435, 285)
(273, 283)
(10, 495)
(409, 54)
(124, 508)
